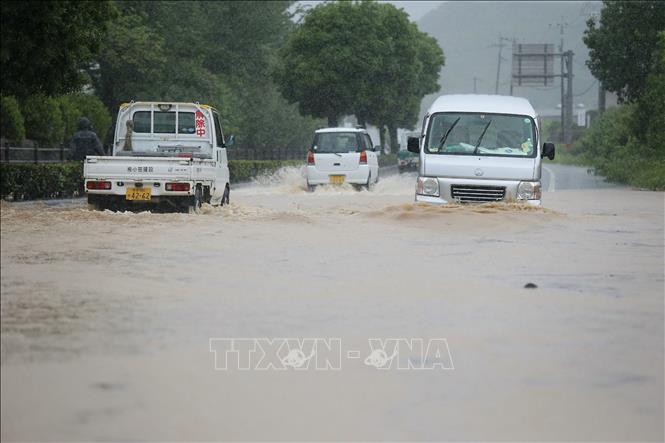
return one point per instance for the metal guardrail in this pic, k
(33, 154)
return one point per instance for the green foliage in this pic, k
(245, 170)
(627, 144)
(30, 181)
(362, 58)
(91, 107)
(11, 121)
(70, 116)
(389, 159)
(621, 45)
(611, 147)
(219, 53)
(43, 120)
(46, 44)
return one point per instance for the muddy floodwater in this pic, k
(107, 318)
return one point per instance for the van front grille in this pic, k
(477, 194)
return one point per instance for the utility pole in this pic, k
(601, 98)
(511, 74)
(569, 97)
(562, 25)
(501, 45)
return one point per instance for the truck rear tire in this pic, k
(227, 196)
(196, 201)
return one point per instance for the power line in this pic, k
(593, 83)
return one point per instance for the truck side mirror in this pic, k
(376, 148)
(230, 141)
(548, 150)
(413, 145)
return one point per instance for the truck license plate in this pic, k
(336, 179)
(138, 194)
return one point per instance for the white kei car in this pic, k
(342, 155)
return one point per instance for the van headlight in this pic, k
(529, 191)
(427, 186)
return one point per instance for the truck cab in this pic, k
(167, 154)
(480, 148)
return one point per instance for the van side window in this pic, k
(368, 141)
(361, 142)
(218, 130)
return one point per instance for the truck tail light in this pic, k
(310, 158)
(98, 185)
(181, 187)
(363, 157)
(184, 155)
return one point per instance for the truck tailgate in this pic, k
(168, 168)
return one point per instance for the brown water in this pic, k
(106, 317)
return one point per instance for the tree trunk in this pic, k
(394, 143)
(382, 136)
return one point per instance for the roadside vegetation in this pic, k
(275, 70)
(626, 144)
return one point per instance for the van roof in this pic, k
(318, 131)
(491, 104)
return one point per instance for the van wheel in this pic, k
(310, 188)
(369, 184)
(196, 201)
(226, 196)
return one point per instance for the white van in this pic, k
(480, 148)
(342, 155)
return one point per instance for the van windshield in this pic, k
(336, 143)
(481, 134)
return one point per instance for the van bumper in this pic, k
(357, 176)
(471, 187)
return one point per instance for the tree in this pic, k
(11, 120)
(45, 45)
(325, 63)
(622, 44)
(362, 58)
(219, 53)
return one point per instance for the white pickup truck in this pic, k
(167, 154)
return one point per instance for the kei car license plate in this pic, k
(336, 179)
(138, 194)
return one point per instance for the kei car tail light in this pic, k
(182, 187)
(97, 185)
(310, 158)
(363, 157)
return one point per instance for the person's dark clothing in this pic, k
(85, 141)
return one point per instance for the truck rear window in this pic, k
(164, 122)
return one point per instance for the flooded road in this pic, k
(107, 317)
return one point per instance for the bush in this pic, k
(12, 126)
(619, 152)
(91, 107)
(245, 170)
(70, 116)
(50, 180)
(43, 120)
